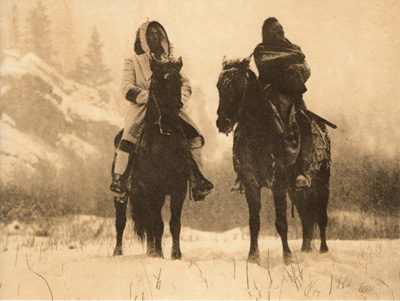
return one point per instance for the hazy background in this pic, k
(351, 46)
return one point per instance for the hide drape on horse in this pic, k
(266, 133)
(298, 138)
(275, 139)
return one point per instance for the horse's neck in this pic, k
(152, 113)
(253, 110)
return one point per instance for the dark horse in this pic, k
(257, 159)
(160, 164)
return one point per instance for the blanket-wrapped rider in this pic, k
(282, 64)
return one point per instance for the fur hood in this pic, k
(141, 46)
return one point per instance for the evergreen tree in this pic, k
(40, 32)
(15, 38)
(79, 73)
(96, 72)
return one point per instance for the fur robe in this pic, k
(136, 78)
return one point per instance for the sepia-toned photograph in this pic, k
(199, 150)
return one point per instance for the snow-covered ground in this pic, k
(75, 262)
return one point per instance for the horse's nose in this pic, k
(227, 122)
(223, 125)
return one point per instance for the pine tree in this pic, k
(96, 72)
(40, 32)
(79, 73)
(15, 37)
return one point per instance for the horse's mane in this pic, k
(254, 111)
(231, 64)
(229, 67)
(163, 66)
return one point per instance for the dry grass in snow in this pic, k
(74, 263)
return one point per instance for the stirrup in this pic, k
(121, 199)
(117, 185)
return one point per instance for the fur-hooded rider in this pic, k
(152, 40)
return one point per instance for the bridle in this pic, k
(157, 105)
(246, 75)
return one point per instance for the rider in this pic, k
(282, 64)
(152, 40)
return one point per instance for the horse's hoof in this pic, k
(306, 249)
(324, 249)
(156, 254)
(176, 255)
(118, 251)
(254, 258)
(287, 259)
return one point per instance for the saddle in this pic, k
(283, 145)
(321, 142)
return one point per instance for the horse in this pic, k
(160, 164)
(258, 163)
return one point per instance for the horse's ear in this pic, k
(224, 61)
(179, 63)
(246, 62)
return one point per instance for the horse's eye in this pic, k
(166, 76)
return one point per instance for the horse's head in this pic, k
(165, 100)
(231, 86)
(166, 84)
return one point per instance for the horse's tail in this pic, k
(139, 218)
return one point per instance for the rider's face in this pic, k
(274, 33)
(153, 38)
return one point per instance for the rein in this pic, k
(244, 94)
(159, 113)
(241, 107)
(158, 108)
(245, 86)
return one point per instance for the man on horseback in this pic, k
(282, 66)
(152, 43)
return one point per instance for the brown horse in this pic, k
(258, 159)
(161, 164)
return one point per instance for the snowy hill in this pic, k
(47, 118)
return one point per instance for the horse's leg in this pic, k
(154, 224)
(322, 187)
(253, 197)
(279, 195)
(177, 199)
(120, 222)
(158, 226)
(306, 217)
(151, 250)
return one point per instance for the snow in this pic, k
(77, 99)
(4, 90)
(77, 264)
(11, 53)
(80, 147)
(20, 149)
(11, 67)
